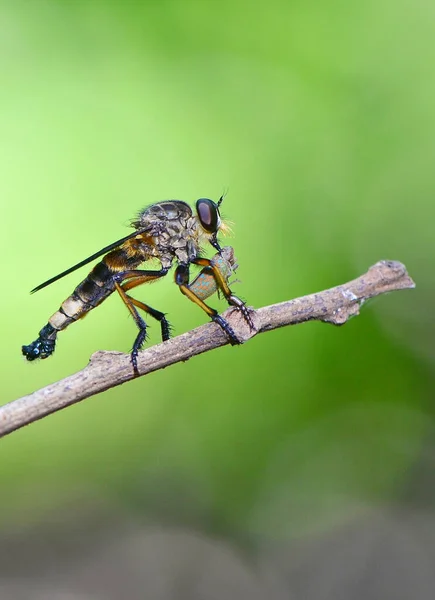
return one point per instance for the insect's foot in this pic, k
(234, 340)
(133, 358)
(166, 330)
(247, 316)
(138, 343)
(241, 306)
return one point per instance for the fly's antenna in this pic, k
(225, 227)
(221, 199)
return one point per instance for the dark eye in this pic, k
(208, 214)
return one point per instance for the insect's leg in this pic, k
(204, 285)
(141, 336)
(214, 242)
(182, 280)
(222, 284)
(159, 316)
(140, 275)
(134, 278)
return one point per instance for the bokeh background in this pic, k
(302, 464)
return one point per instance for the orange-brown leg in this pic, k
(139, 276)
(129, 284)
(156, 314)
(131, 304)
(139, 279)
(182, 280)
(222, 284)
(141, 336)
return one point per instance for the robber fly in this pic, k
(167, 231)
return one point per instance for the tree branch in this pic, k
(109, 369)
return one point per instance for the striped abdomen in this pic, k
(95, 288)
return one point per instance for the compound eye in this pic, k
(208, 214)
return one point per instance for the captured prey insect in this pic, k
(205, 285)
(167, 231)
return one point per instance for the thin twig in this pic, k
(109, 369)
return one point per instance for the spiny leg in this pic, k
(222, 284)
(135, 281)
(182, 280)
(141, 336)
(140, 276)
(159, 316)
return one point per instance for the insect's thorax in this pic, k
(174, 232)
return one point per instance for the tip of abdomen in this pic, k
(44, 346)
(38, 349)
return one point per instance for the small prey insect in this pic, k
(205, 285)
(169, 231)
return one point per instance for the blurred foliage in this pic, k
(319, 118)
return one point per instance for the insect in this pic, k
(204, 285)
(167, 231)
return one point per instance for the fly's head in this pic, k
(210, 220)
(176, 232)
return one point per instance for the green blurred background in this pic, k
(320, 119)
